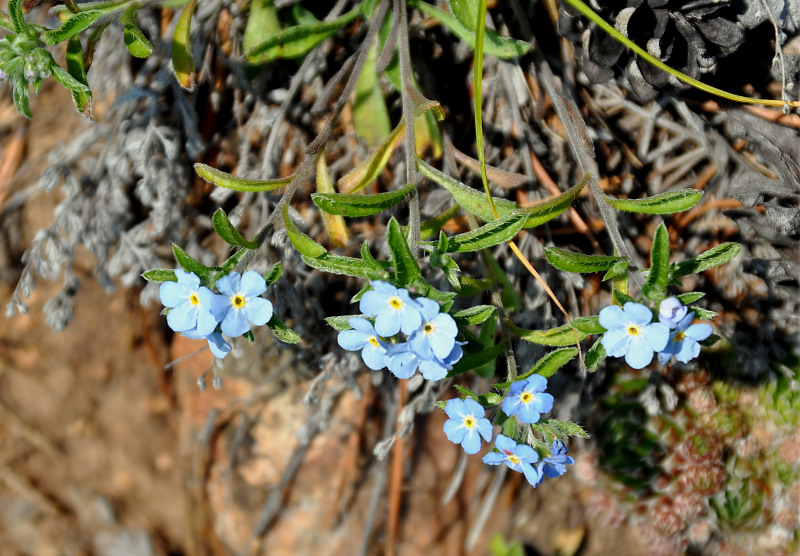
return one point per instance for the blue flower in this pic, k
(393, 308)
(363, 337)
(683, 340)
(555, 464)
(526, 399)
(436, 369)
(194, 307)
(437, 333)
(519, 457)
(244, 306)
(218, 346)
(403, 362)
(631, 334)
(467, 424)
(671, 311)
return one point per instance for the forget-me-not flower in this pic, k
(683, 341)
(436, 369)
(194, 307)
(527, 399)
(631, 334)
(555, 464)
(244, 306)
(519, 457)
(467, 424)
(363, 337)
(672, 311)
(403, 362)
(216, 343)
(393, 309)
(437, 333)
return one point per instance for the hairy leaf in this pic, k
(228, 232)
(406, 268)
(359, 205)
(664, 203)
(182, 57)
(302, 242)
(715, 256)
(569, 261)
(228, 181)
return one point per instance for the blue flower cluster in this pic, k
(632, 333)
(202, 314)
(527, 401)
(431, 345)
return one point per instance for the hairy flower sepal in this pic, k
(631, 334)
(364, 337)
(467, 424)
(244, 306)
(519, 457)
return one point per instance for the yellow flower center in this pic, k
(514, 459)
(194, 299)
(469, 422)
(633, 330)
(373, 340)
(237, 301)
(525, 397)
(428, 328)
(396, 302)
(679, 336)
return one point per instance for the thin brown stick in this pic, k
(396, 481)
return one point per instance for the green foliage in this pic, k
(569, 261)
(159, 275)
(282, 332)
(359, 205)
(228, 232)
(655, 289)
(665, 203)
(595, 356)
(564, 335)
(182, 57)
(405, 264)
(716, 256)
(228, 181)
(135, 40)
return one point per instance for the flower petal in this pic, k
(612, 317)
(638, 313)
(172, 294)
(485, 429)
(657, 334)
(374, 356)
(252, 284)
(362, 325)
(219, 347)
(494, 458)
(471, 442)
(428, 308)
(352, 340)
(454, 430)
(504, 443)
(533, 474)
(182, 317)
(616, 341)
(228, 285)
(258, 310)
(235, 323)
(689, 350)
(699, 332)
(639, 353)
(387, 323)
(432, 370)
(454, 408)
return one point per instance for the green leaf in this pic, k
(545, 211)
(690, 297)
(702, 314)
(497, 231)
(283, 332)
(430, 227)
(335, 226)
(370, 116)
(21, 99)
(474, 360)
(159, 275)
(135, 40)
(232, 261)
(6, 22)
(665, 203)
(406, 268)
(15, 11)
(189, 264)
(341, 322)
(472, 286)
(510, 428)
(228, 232)
(359, 205)
(715, 256)
(262, 22)
(496, 45)
(618, 273)
(349, 266)
(367, 172)
(710, 341)
(66, 80)
(466, 392)
(595, 356)
(303, 243)
(223, 179)
(273, 274)
(655, 289)
(182, 57)
(621, 298)
(564, 429)
(569, 261)
(70, 27)
(588, 325)
(298, 40)
(75, 67)
(465, 11)
(474, 315)
(564, 335)
(548, 365)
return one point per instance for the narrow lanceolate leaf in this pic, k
(465, 11)
(334, 224)
(15, 11)
(348, 266)
(471, 199)
(563, 429)
(545, 211)
(70, 27)
(359, 205)
(283, 332)
(547, 366)
(406, 268)
(665, 203)
(715, 256)
(703, 314)
(475, 360)
(182, 57)
(5, 21)
(21, 99)
(189, 264)
(75, 67)
(228, 181)
(690, 297)
(474, 315)
(273, 274)
(303, 243)
(340, 322)
(231, 262)
(588, 325)
(262, 22)
(370, 115)
(368, 171)
(135, 40)
(564, 335)
(495, 232)
(569, 261)
(595, 356)
(655, 289)
(298, 40)
(430, 227)
(494, 44)
(228, 232)
(159, 275)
